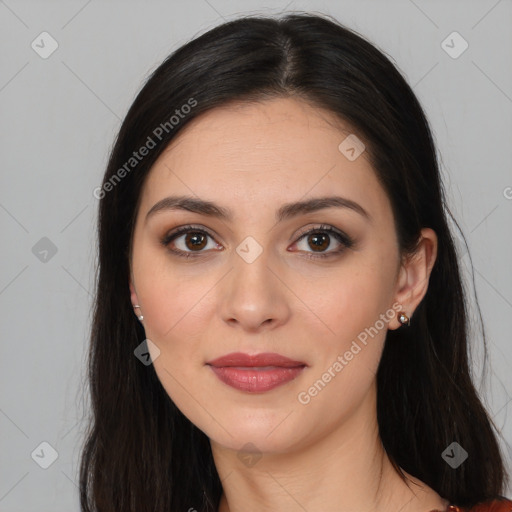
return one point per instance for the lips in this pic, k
(255, 373)
(257, 360)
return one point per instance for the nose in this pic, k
(254, 296)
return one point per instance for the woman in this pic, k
(280, 322)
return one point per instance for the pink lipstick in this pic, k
(256, 373)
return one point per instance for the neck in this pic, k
(346, 470)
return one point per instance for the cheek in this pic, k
(354, 300)
(356, 308)
(177, 320)
(175, 311)
(172, 296)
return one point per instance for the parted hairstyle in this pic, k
(140, 453)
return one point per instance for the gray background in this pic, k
(58, 119)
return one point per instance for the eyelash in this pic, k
(341, 237)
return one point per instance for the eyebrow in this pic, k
(285, 212)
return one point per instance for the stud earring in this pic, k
(140, 317)
(404, 319)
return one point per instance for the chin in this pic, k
(257, 437)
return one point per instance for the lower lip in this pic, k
(255, 381)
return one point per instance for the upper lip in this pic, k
(256, 360)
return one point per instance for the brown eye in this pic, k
(195, 240)
(188, 240)
(320, 239)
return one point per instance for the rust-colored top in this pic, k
(497, 505)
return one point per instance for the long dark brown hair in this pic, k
(140, 452)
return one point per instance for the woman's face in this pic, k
(254, 284)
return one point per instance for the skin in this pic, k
(252, 158)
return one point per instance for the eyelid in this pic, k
(345, 241)
(324, 228)
(179, 231)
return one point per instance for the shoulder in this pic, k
(495, 505)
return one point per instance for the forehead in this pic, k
(251, 155)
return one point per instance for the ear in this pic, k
(414, 275)
(133, 293)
